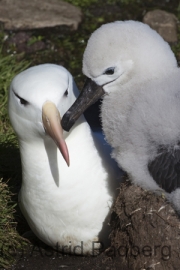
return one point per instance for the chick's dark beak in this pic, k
(90, 93)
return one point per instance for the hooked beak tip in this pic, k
(66, 122)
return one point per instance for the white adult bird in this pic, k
(136, 72)
(66, 207)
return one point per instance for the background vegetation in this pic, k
(63, 47)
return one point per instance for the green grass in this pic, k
(82, 3)
(10, 240)
(8, 69)
(9, 237)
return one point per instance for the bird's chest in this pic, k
(115, 113)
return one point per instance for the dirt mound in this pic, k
(145, 230)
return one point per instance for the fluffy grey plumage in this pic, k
(141, 105)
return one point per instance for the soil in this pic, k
(37, 257)
(145, 230)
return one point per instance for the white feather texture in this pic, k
(141, 106)
(63, 205)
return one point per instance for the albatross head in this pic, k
(38, 97)
(118, 54)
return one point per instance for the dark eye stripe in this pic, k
(22, 100)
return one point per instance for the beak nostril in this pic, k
(47, 121)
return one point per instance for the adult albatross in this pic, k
(66, 207)
(136, 73)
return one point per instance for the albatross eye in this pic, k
(66, 93)
(22, 100)
(109, 71)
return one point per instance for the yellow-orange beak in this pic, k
(52, 124)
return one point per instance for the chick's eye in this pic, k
(66, 93)
(109, 71)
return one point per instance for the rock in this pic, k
(25, 42)
(34, 14)
(145, 230)
(164, 23)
